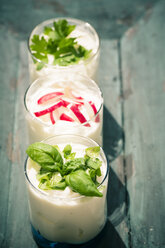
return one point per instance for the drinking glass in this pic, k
(57, 218)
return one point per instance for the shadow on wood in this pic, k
(117, 198)
(113, 136)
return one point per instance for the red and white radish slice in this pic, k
(52, 118)
(76, 96)
(65, 117)
(48, 97)
(78, 114)
(48, 110)
(97, 119)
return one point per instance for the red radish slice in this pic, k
(77, 97)
(48, 110)
(87, 125)
(48, 97)
(52, 118)
(94, 107)
(97, 119)
(65, 117)
(65, 103)
(78, 114)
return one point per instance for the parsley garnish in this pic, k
(61, 169)
(55, 41)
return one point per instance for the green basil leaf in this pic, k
(93, 152)
(72, 165)
(44, 154)
(51, 181)
(94, 163)
(44, 176)
(81, 182)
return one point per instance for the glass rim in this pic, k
(65, 197)
(46, 22)
(77, 74)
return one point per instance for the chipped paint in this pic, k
(131, 32)
(13, 148)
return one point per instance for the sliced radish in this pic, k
(97, 119)
(78, 114)
(52, 118)
(65, 117)
(87, 125)
(48, 110)
(48, 97)
(77, 97)
(94, 107)
(65, 103)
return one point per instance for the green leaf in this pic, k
(65, 49)
(93, 174)
(81, 182)
(93, 151)
(39, 45)
(50, 181)
(44, 176)
(72, 165)
(44, 154)
(94, 163)
(67, 151)
(62, 28)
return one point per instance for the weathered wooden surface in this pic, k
(132, 79)
(143, 61)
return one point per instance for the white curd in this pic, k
(65, 216)
(72, 87)
(86, 36)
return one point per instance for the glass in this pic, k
(42, 127)
(75, 219)
(87, 37)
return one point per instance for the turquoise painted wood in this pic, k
(143, 60)
(132, 78)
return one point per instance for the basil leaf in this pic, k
(67, 150)
(93, 173)
(44, 154)
(51, 168)
(93, 152)
(44, 176)
(94, 163)
(72, 165)
(80, 182)
(51, 181)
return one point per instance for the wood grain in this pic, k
(143, 59)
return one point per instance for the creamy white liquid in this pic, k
(65, 216)
(87, 67)
(41, 127)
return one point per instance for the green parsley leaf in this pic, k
(65, 49)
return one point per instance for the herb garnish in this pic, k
(56, 41)
(61, 169)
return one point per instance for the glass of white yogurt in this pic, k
(45, 58)
(65, 103)
(66, 216)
